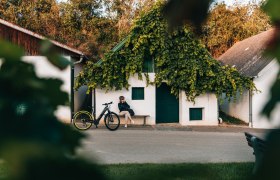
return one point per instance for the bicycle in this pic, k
(83, 120)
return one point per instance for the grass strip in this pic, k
(190, 171)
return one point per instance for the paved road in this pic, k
(154, 146)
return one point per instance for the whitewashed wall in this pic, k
(44, 68)
(238, 108)
(140, 107)
(264, 82)
(208, 102)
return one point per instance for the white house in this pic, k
(30, 42)
(247, 56)
(158, 102)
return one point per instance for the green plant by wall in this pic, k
(180, 61)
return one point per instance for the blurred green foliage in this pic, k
(33, 142)
(272, 8)
(180, 12)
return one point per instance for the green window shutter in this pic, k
(195, 114)
(137, 93)
(148, 65)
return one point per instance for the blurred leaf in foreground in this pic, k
(272, 8)
(33, 143)
(47, 49)
(10, 51)
(179, 12)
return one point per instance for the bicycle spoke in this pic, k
(82, 121)
(112, 121)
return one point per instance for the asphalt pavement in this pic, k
(167, 144)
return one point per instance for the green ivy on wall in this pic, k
(180, 61)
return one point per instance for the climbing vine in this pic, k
(180, 61)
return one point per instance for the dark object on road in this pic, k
(259, 147)
(270, 163)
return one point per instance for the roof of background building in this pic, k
(40, 37)
(248, 55)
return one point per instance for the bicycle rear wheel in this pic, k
(112, 121)
(82, 120)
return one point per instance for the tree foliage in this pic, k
(92, 26)
(95, 26)
(180, 61)
(227, 25)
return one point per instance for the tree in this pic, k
(38, 16)
(125, 11)
(92, 26)
(227, 25)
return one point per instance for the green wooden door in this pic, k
(167, 105)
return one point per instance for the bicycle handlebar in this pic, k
(107, 103)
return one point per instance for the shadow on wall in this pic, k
(82, 100)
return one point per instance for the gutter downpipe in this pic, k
(250, 110)
(80, 61)
(251, 105)
(94, 102)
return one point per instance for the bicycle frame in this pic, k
(106, 109)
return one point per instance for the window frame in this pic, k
(142, 95)
(152, 64)
(196, 108)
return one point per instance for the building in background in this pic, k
(249, 59)
(157, 102)
(30, 42)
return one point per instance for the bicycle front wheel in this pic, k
(82, 120)
(112, 121)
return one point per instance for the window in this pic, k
(148, 65)
(196, 114)
(138, 93)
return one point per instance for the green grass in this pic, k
(190, 171)
(231, 120)
(179, 171)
